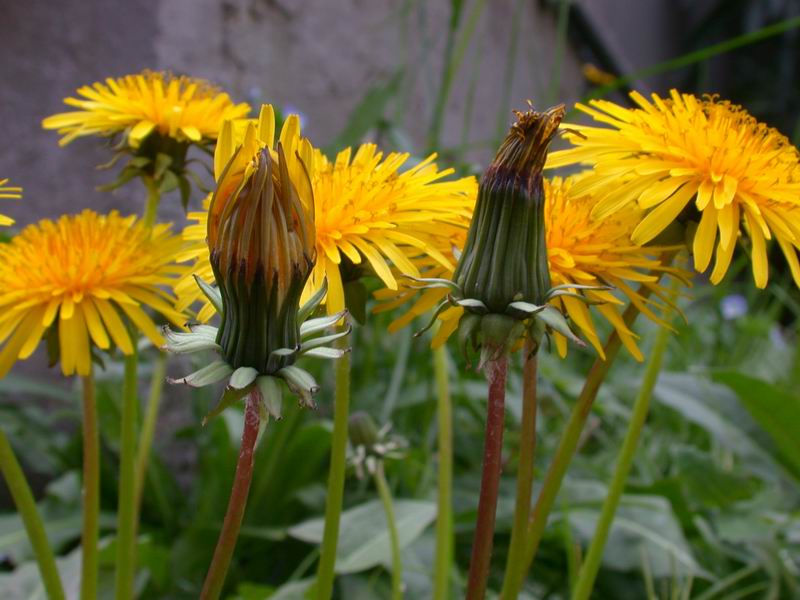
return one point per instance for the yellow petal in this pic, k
(704, 238)
(663, 215)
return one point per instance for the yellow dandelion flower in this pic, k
(366, 207)
(85, 280)
(182, 108)
(11, 192)
(669, 152)
(580, 251)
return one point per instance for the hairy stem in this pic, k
(223, 553)
(335, 498)
(522, 507)
(26, 507)
(443, 563)
(391, 523)
(490, 480)
(126, 509)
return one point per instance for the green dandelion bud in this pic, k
(502, 280)
(261, 240)
(505, 258)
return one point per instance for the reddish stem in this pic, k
(490, 480)
(226, 543)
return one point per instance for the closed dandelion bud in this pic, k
(363, 430)
(370, 445)
(261, 240)
(261, 246)
(505, 257)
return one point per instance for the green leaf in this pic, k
(643, 524)
(777, 411)
(367, 114)
(700, 401)
(364, 537)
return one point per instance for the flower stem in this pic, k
(444, 516)
(126, 508)
(490, 480)
(335, 496)
(26, 506)
(394, 539)
(226, 543)
(591, 564)
(522, 507)
(567, 445)
(149, 428)
(152, 202)
(91, 490)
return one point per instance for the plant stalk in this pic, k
(31, 519)
(496, 371)
(335, 496)
(443, 563)
(522, 507)
(223, 553)
(567, 446)
(149, 427)
(641, 407)
(126, 507)
(91, 490)
(152, 202)
(391, 523)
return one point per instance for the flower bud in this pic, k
(262, 247)
(363, 430)
(505, 257)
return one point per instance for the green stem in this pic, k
(444, 516)
(490, 480)
(335, 497)
(91, 490)
(522, 507)
(568, 444)
(26, 506)
(149, 428)
(152, 202)
(391, 523)
(223, 553)
(126, 506)
(591, 565)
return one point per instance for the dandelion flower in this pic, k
(84, 281)
(366, 207)
(580, 251)
(182, 108)
(11, 192)
(704, 159)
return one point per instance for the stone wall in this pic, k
(316, 56)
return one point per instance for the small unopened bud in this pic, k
(363, 430)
